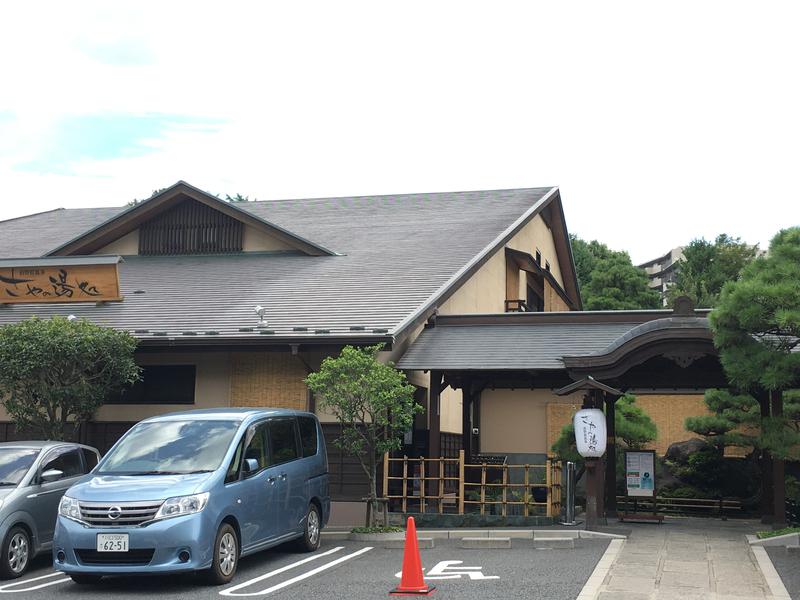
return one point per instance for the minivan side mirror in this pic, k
(250, 466)
(51, 475)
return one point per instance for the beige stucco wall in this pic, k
(255, 240)
(516, 420)
(485, 291)
(127, 245)
(212, 386)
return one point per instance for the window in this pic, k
(257, 447)
(538, 257)
(283, 440)
(15, 463)
(534, 301)
(547, 266)
(236, 464)
(171, 446)
(68, 462)
(308, 435)
(160, 384)
(89, 458)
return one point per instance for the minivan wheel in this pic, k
(83, 579)
(311, 532)
(226, 556)
(16, 553)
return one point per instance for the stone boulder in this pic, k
(679, 451)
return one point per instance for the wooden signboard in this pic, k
(43, 283)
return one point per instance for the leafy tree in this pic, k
(736, 420)
(757, 321)
(707, 266)
(586, 254)
(56, 372)
(608, 279)
(236, 198)
(756, 329)
(374, 404)
(634, 430)
(616, 284)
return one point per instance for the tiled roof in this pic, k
(396, 253)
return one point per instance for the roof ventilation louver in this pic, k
(159, 333)
(245, 329)
(357, 328)
(380, 330)
(318, 331)
(212, 332)
(189, 333)
(267, 332)
(299, 328)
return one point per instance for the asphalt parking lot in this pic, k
(352, 571)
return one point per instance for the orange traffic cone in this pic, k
(412, 582)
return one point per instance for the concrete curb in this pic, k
(788, 539)
(457, 534)
(485, 543)
(591, 589)
(774, 581)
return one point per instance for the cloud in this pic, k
(103, 137)
(126, 52)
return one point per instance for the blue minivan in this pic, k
(194, 491)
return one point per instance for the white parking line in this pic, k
(4, 589)
(232, 591)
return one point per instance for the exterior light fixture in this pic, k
(590, 432)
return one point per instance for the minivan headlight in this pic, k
(69, 508)
(182, 505)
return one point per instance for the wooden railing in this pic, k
(421, 484)
(663, 504)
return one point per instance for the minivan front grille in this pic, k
(131, 557)
(118, 514)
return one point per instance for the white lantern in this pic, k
(590, 432)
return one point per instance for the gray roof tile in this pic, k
(396, 251)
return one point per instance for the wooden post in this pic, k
(527, 493)
(434, 425)
(466, 416)
(405, 484)
(385, 474)
(611, 457)
(441, 485)
(461, 482)
(422, 482)
(548, 482)
(505, 487)
(483, 489)
(592, 493)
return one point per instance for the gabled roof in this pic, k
(126, 221)
(400, 256)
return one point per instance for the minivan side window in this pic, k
(283, 440)
(236, 463)
(257, 448)
(89, 458)
(308, 435)
(68, 462)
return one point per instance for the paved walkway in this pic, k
(686, 559)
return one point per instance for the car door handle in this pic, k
(272, 480)
(283, 476)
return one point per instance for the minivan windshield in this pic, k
(14, 463)
(170, 448)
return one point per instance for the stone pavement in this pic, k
(686, 559)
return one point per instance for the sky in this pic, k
(660, 122)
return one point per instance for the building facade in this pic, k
(234, 304)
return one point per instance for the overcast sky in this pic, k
(661, 122)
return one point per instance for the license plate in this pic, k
(112, 542)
